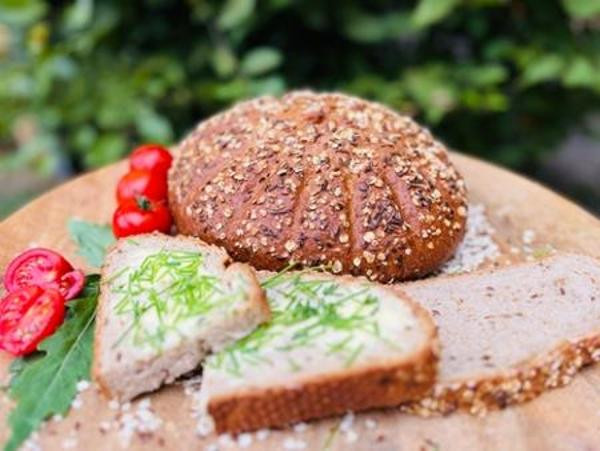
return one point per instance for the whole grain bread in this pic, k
(510, 334)
(320, 179)
(332, 345)
(164, 304)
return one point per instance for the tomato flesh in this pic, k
(33, 315)
(151, 157)
(15, 304)
(46, 269)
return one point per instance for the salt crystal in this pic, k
(351, 436)
(370, 424)
(244, 440)
(346, 422)
(125, 407)
(477, 247)
(300, 427)
(263, 434)
(83, 385)
(113, 404)
(77, 403)
(56, 418)
(211, 447)
(225, 440)
(528, 236)
(292, 443)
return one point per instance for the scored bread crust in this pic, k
(383, 384)
(257, 303)
(320, 180)
(525, 381)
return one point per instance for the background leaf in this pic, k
(582, 9)
(235, 12)
(429, 12)
(260, 60)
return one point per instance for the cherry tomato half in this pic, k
(15, 304)
(151, 157)
(149, 184)
(141, 216)
(34, 315)
(45, 268)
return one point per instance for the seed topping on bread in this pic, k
(320, 179)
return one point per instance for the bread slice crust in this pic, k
(256, 302)
(525, 381)
(385, 384)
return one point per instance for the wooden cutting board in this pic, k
(566, 418)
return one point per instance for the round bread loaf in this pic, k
(320, 179)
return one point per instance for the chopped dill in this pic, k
(308, 313)
(165, 290)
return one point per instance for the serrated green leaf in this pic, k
(46, 385)
(235, 12)
(429, 12)
(582, 9)
(260, 60)
(91, 239)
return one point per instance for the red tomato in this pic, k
(141, 216)
(151, 185)
(15, 304)
(34, 315)
(45, 268)
(151, 157)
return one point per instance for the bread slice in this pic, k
(333, 345)
(164, 304)
(510, 334)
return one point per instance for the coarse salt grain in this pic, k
(528, 236)
(370, 423)
(83, 385)
(113, 404)
(351, 436)
(211, 447)
(141, 420)
(347, 421)
(263, 434)
(300, 427)
(292, 443)
(244, 440)
(77, 403)
(478, 245)
(225, 440)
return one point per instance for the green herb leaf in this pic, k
(92, 239)
(46, 384)
(429, 12)
(260, 60)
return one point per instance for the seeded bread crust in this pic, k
(478, 396)
(383, 385)
(117, 383)
(527, 380)
(320, 179)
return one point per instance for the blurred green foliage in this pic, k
(88, 79)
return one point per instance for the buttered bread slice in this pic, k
(334, 344)
(165, 303)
